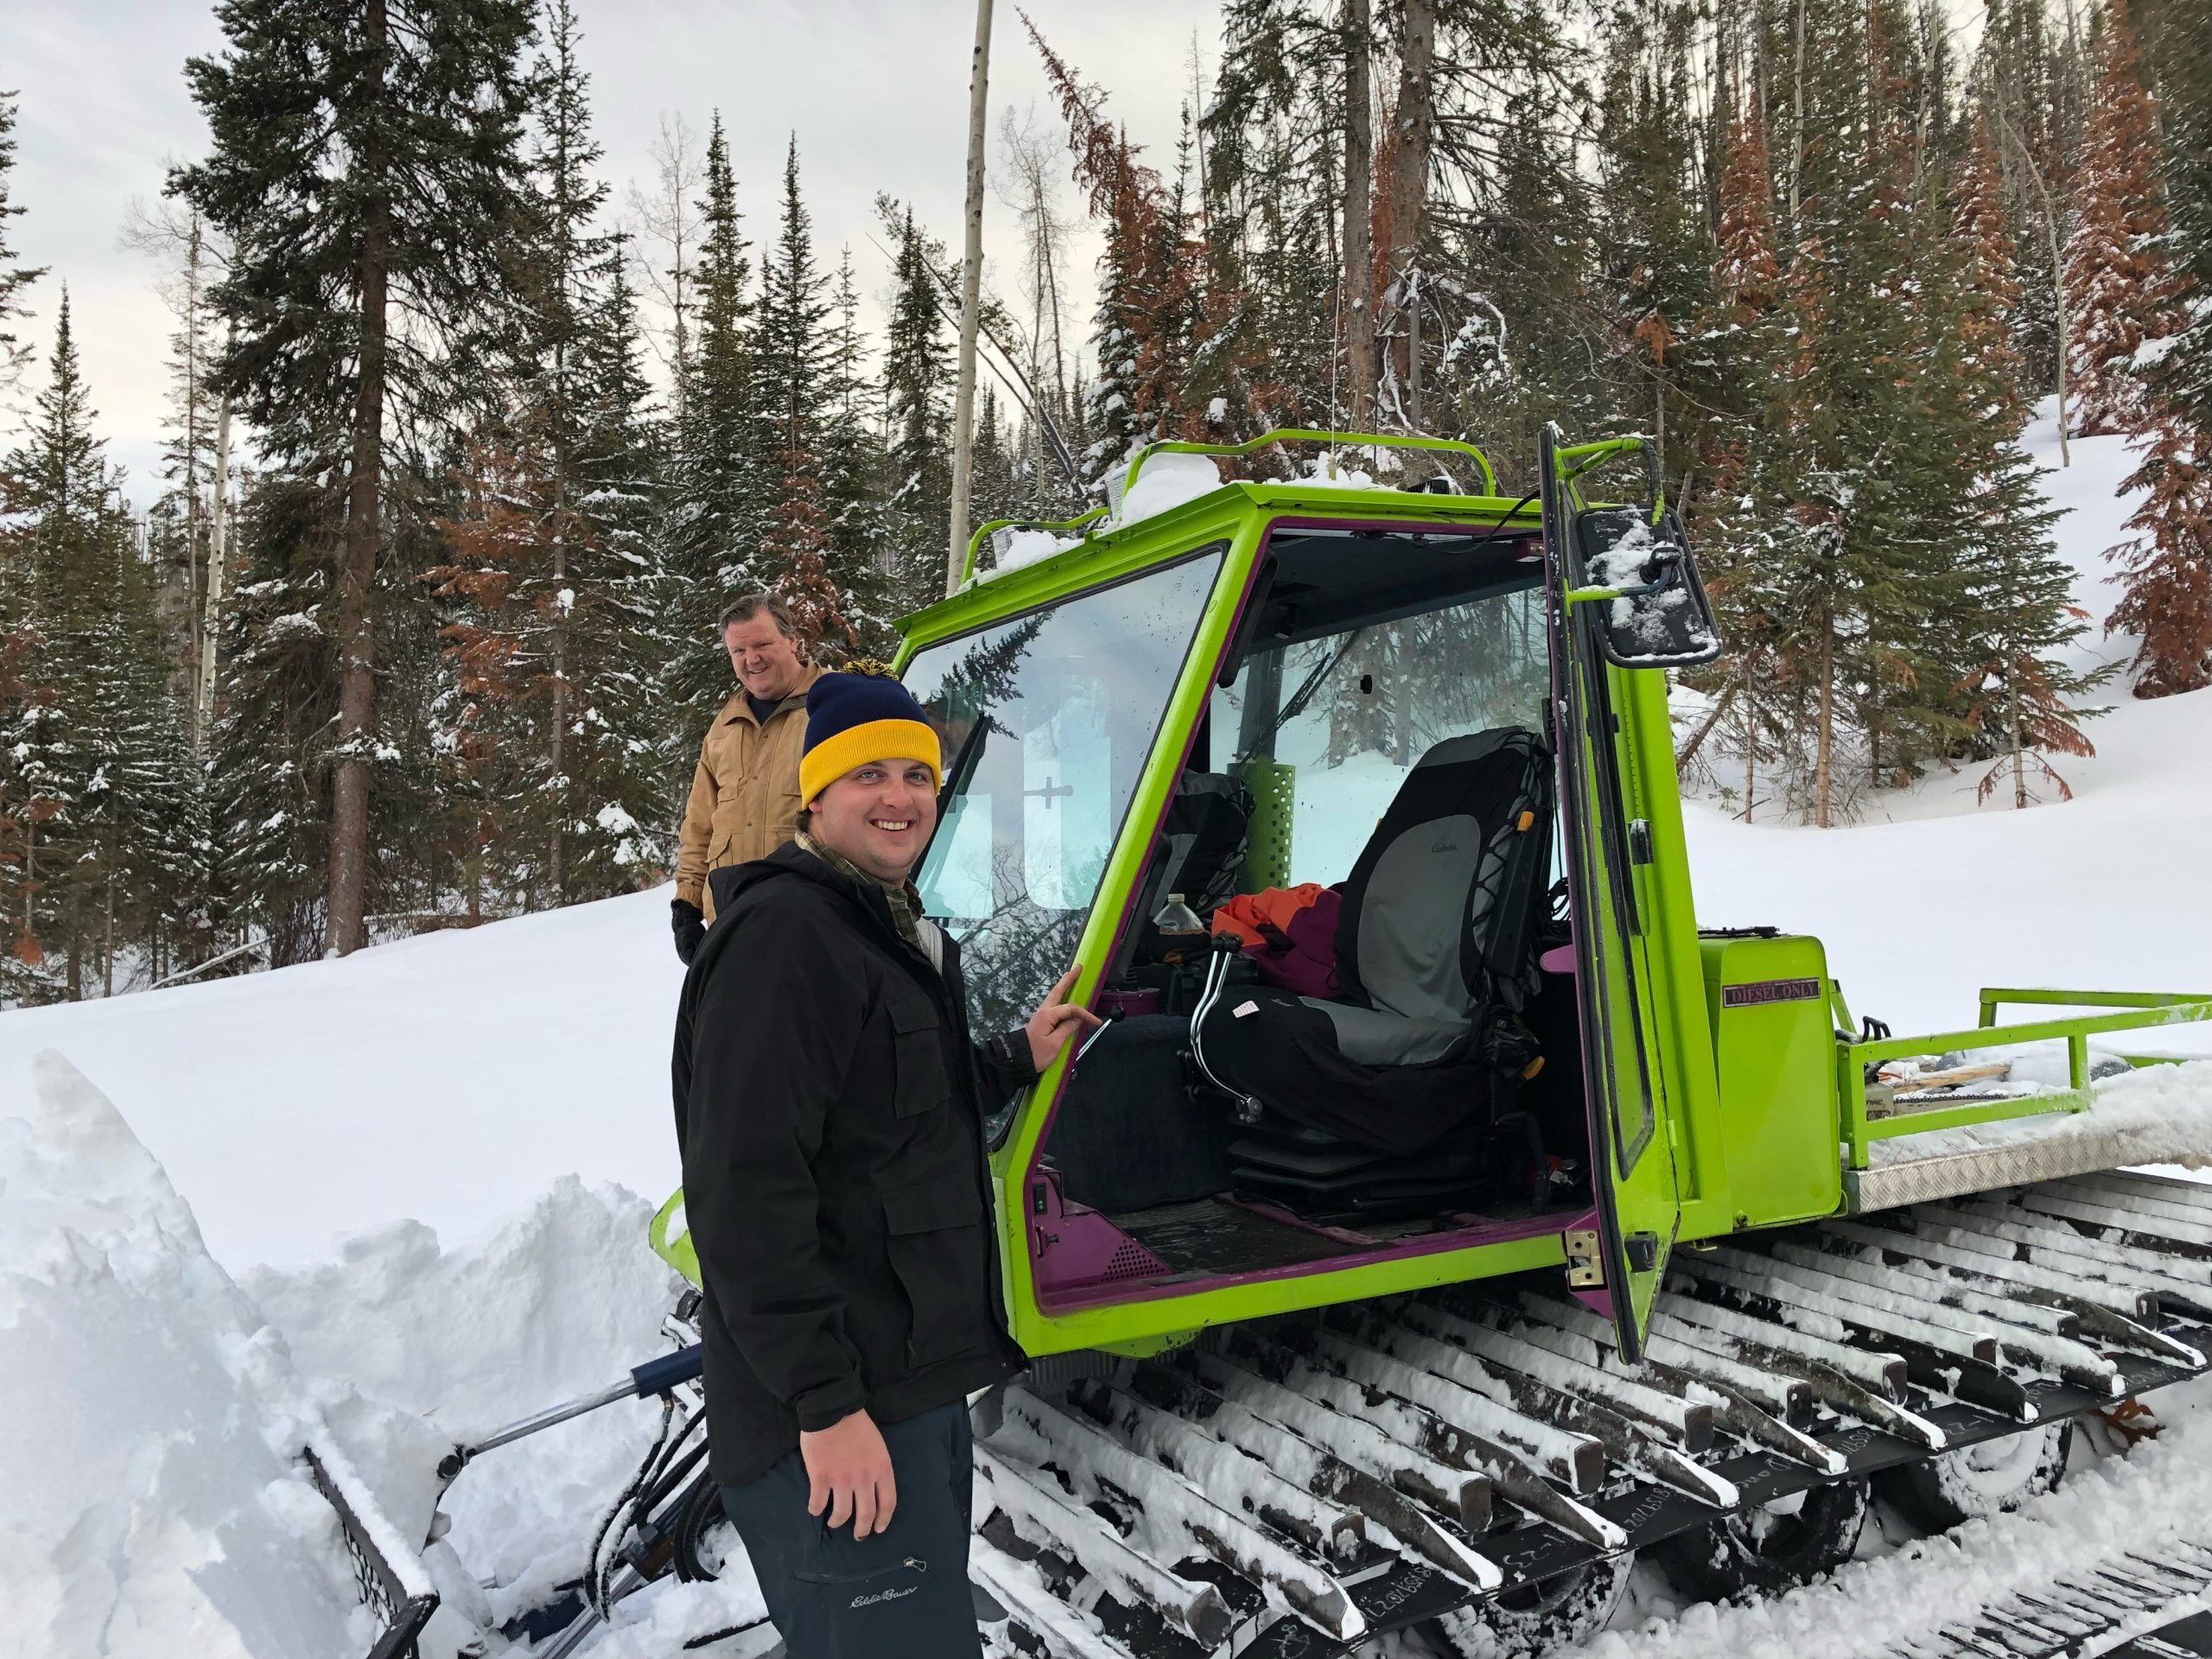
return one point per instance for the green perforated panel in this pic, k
(1273, 785)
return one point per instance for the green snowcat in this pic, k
(1419, 1253)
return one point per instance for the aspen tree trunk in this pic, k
(2019, 760)
(1359, 223)
(1796, 118)
(348, 885)
(211, 613)
(556, 860)
(1751, 766)
(1824, 749)
(971, 277)
(1415, 117)
(195, 597)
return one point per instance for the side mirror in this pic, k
(1643, 582)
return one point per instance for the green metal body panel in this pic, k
(1750, 1105)
(1767, 1009)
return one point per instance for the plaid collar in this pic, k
(905, 903)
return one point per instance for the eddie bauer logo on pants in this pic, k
(884, 1595)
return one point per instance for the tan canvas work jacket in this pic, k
(745, 794)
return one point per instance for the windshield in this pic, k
(1047, 721)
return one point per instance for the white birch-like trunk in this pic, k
(211, 615)
(971, 278)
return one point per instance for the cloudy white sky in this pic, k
(877, 90)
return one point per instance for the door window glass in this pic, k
(1341, 720)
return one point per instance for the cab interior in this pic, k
(1396, 1071)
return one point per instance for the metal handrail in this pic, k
(1577, 459)
(968, 566)
(2134, 1011)
(1303, 435)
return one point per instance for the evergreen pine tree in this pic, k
(1654, 252)
(1740, 355)
(623, 743)
(14, 278)
(792, 373)
(850, 451)
(715, 491)
(369, 170)
(101, 777)
(2017, 617)
(917, 394)
(2165, 567)
(2118, 286)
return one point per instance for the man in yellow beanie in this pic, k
(829, 1115)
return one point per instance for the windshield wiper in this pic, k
(1295, 705)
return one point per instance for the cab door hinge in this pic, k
(1584, 1269)
(1639, 841)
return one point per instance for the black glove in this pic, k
(689, 923)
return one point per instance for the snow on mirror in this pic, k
(1662, 619)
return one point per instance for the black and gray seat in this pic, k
(1435, 944)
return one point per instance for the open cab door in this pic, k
(1622, 592)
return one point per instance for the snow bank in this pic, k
(1166, 481)
(452, 1077)
(1013, 548)
(151, 1504)
(560, 1300)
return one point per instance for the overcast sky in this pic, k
(877, 90)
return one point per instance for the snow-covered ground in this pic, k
(506, 1090)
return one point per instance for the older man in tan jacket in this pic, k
(745, 795)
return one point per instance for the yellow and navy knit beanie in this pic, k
(852, 719)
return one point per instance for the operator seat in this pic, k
(1435, 946)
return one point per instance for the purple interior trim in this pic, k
(1086, 1249)
(1560, 959)
(1497, 1232)
(1599, 1301)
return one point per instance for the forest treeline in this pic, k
(464, 454)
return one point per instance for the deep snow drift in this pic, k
(149, 1505)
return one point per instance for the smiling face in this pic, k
(764, 658)
(879, 814)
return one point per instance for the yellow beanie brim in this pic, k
(873, 739)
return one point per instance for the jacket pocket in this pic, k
(935, 1240)
(918, 1058)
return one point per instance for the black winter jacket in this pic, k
(829, 1110)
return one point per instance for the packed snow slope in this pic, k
(451, 1079)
